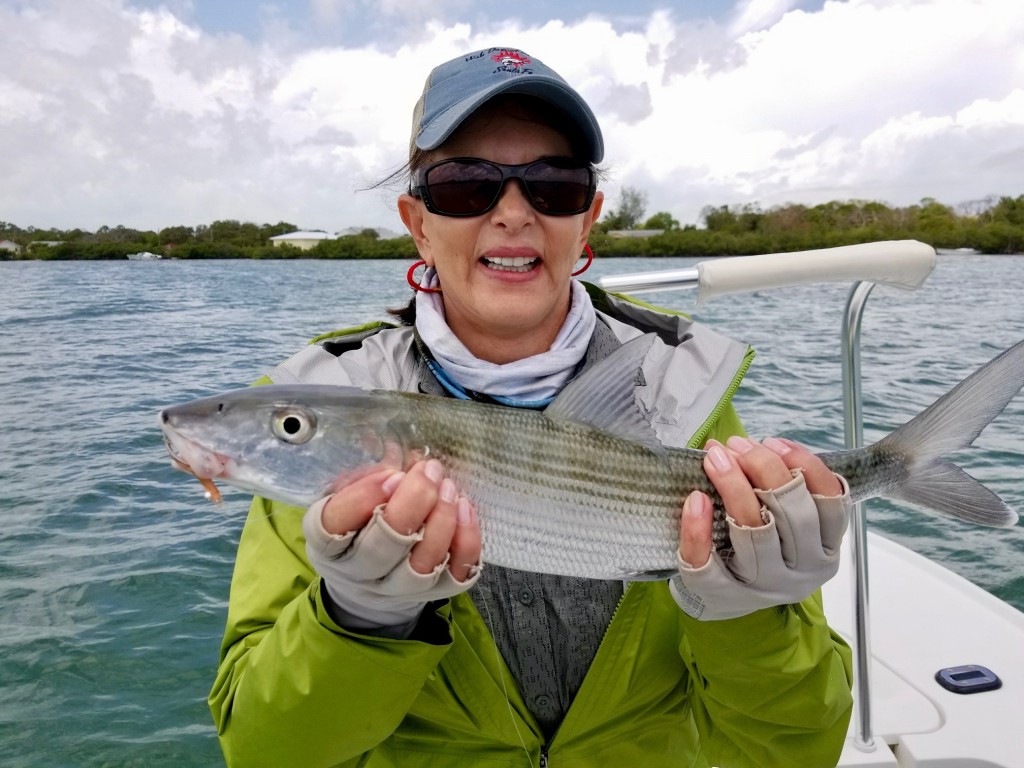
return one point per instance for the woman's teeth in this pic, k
(510, 263)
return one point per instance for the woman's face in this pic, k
(503, 314)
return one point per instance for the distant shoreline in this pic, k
(940, 253)
(993, 226)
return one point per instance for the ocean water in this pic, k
(114, 569)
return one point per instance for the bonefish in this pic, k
(583, 488)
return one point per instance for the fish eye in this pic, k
(293, 425)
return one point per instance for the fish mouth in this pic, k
(204, 465)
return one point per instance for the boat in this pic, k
(938, 661)
(144, 256)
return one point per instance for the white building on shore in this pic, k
(306, 239)
(301, 239)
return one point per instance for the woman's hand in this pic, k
(391, 542)
(422, 498)
(785, 541)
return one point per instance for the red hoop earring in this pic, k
(412, 280)
(590, 260)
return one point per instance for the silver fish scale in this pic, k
(874, 471)
(561, 497)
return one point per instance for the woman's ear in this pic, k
(413, 213)
(591, 216)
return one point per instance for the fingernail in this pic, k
(719, 458)
(392, 481)
(694, 504)
(434, 470)
(448, 491)
(775, 445)
(740, 444)
(464, 512)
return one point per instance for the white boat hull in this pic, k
(925, 618)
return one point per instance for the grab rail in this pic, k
(901, 263)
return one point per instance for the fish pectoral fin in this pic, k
(603, 397)
(942, 486)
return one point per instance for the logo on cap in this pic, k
(510, 61)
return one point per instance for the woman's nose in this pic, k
(513, 206)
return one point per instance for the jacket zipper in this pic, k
(701, 434)
(543, 761)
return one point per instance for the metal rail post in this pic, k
(853, 419)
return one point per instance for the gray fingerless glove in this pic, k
(779, 563)
(368, 577)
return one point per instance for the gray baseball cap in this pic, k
(456, 89)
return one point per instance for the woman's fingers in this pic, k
(768, 464)
(466, 543)
(351, 507)
(695, 530)
(438, 530)
(819, 478)
(414, 497)
(742, 465)
(427, 501)
(722, 466)
(764, 467)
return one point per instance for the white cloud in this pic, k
(806, 111)
(114, 115)
(751, 15)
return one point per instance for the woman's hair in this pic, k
(521, 106)
(418, 158)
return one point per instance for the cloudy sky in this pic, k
(152, 114)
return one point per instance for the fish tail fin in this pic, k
(951, 424)
(944, 487)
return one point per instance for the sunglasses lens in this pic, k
(558, 189)
(460, 188)
(469, 187)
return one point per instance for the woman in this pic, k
(369, 634)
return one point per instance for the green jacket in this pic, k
(294, 689)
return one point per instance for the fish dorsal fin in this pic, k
(603, 396)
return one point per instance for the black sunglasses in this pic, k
(469, 186)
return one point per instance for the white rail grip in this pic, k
(900, 263)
